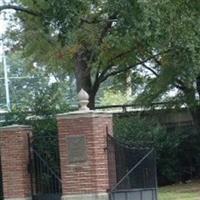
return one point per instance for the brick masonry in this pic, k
(14, 162)
(92, 175)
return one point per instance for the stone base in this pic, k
(96, 196)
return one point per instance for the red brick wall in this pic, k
(90, 176)
(14, 161)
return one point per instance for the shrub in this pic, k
(177, 148)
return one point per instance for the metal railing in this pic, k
(136, 176)
(44, 168)
(142, 107)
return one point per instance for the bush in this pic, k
(178, 149)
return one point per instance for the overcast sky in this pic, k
(2, 30)
(2, 25)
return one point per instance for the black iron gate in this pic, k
(136, 171)
(44, 168)
(1, 182)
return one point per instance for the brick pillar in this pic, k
(83, 155)
(14, 162)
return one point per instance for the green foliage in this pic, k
(116, 33)
(49, 101)
(173, 25)
(31, 88)
(114, 97)
(133, 129)
(177, 147)
(103, 30)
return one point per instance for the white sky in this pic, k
(2, 23)
(2, 30)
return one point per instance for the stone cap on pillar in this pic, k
(15, 127)
(78, 114)
(83, 111)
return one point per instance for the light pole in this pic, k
(7, 78)
(6, 82)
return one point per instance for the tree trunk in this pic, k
(91, 104)
(83, 77)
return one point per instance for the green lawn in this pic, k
(190, 191)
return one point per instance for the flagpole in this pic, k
(6, 79)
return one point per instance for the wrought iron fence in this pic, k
(47, 147)
(44, 168)
(136, 171)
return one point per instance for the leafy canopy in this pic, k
(108, 31)
(115, 36)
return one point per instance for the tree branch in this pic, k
(121, 55)
(107, 27)
(155, 59)
(150, 69)
(103, 77)
(112, 59)
(21, 9)
(180, 85)
(104, 32)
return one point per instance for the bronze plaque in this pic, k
(76, 149)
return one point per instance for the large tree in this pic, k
(100, 39)
(93, 39)
(176, 25)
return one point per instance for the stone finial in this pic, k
(83, 98)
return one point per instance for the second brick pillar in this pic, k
(84, 156)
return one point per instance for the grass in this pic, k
(190, 191)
